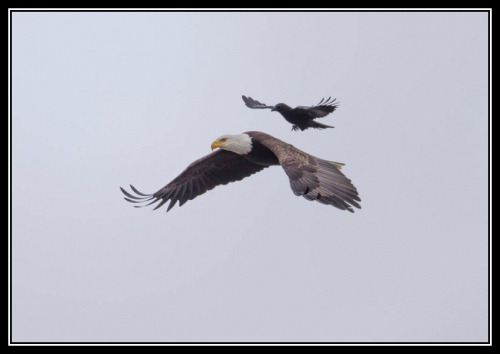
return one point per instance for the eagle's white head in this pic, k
(240, 144)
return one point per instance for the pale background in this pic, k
(101, 100)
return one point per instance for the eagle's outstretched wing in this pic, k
(312, 177)
(251, 103)
(322, 181)
(218, 168)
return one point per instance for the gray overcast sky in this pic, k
(101, 100)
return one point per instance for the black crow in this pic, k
(302, 117)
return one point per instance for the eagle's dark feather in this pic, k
(218, 168)
(311, 177)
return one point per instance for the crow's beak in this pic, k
(273, 109)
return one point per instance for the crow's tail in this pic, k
(317, 125)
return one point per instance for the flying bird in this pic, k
(302, 117)
(239, 156)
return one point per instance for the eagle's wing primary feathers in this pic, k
(314, 178)
(218, 168)
(322, 181)
(251, 103)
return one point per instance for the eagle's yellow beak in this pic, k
(217, 144)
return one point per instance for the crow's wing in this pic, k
(251, 103)
(322, 109)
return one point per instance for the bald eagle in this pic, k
(302, 117)
(239, 156)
